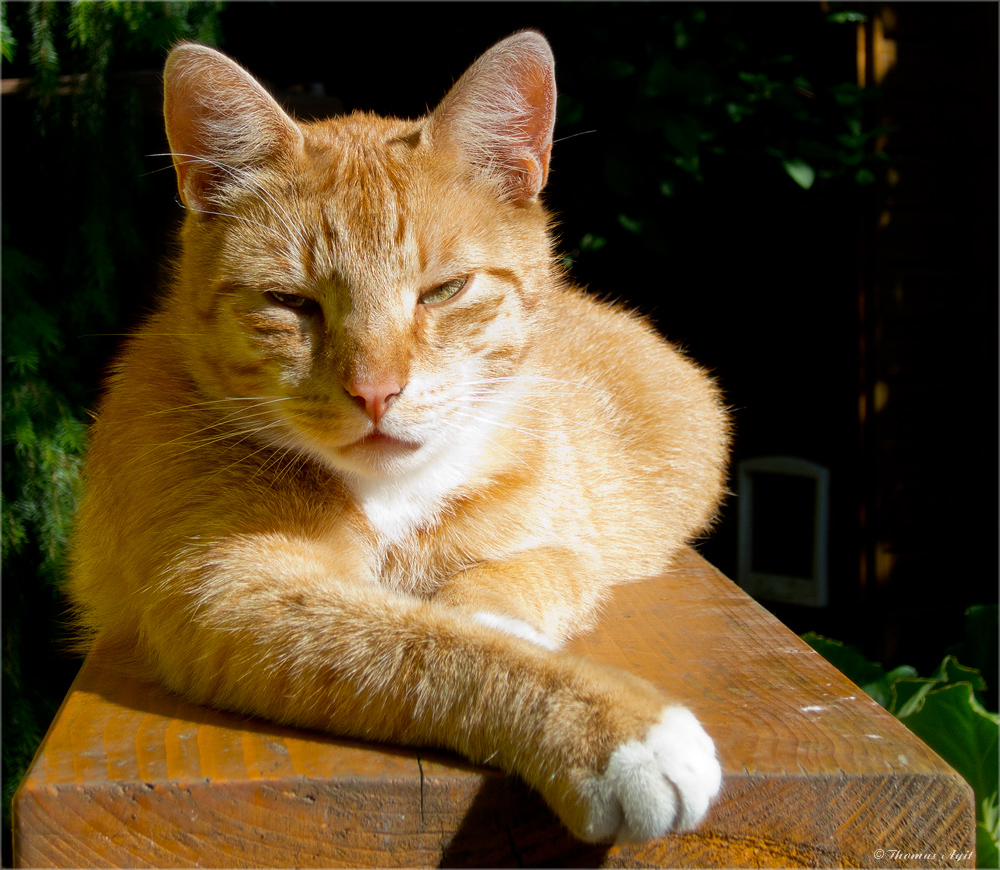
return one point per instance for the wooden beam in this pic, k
(816, 773)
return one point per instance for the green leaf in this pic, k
(847, 659)
(801, 172)
(869, 676)
(987, 853)
(619, 69)
(684, 133)
(991, 815)
(659, 77)
(944, 712)
(681, 37)
(848, 16)
(908, 695)
(689, 164)
(847, 94)
(979, 649)
(620, 175)
(738, 112)
(590, 242)
(957, 727)
(952, 671)
(631, 224)
(881, 689)
(8, 45)
(987, 834)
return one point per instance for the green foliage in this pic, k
(69, 245)
(946, 711)
(979, 648)
(801, 172)
(8, 45)
(705, 96)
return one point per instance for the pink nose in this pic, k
(374, 397)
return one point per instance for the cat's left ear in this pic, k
(500, 115)
(220, 123)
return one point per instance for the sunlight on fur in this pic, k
(374, 458)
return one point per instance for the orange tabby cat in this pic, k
(373, 460)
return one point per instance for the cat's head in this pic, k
(366, 289)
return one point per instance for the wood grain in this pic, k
(816, 773)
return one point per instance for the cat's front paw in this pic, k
(652, 786)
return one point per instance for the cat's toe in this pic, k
(662, 783)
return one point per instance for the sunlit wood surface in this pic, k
(816, 773)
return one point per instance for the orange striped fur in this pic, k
(374, 458)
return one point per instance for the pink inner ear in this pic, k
(539, 93)
(183, 121)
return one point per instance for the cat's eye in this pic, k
(444, 292)
(293, 301)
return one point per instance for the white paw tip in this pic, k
(662, 783)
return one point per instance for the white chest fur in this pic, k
(413, 496)
(399, 505)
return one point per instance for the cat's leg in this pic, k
(611, 757)
(660, 782)
(544, 595)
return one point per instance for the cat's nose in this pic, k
(374, 397)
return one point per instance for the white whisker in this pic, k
(538, 379)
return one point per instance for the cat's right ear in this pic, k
(499, 116)
(220, 122)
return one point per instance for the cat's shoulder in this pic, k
(601, 324)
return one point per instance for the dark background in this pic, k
(852, 324)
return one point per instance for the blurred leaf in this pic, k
(979, 648)
(801, 172)
(8, 45)
(619, 69)
(620, 174)
(987, 852)
(681, 36)
(684, 133)
(691, 165)
(847, 94)
(633, 225)
(987, 834)
(659, 77)
(847, 16)
(569, 110)
(737, 112)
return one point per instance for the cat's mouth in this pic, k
(380, 442)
